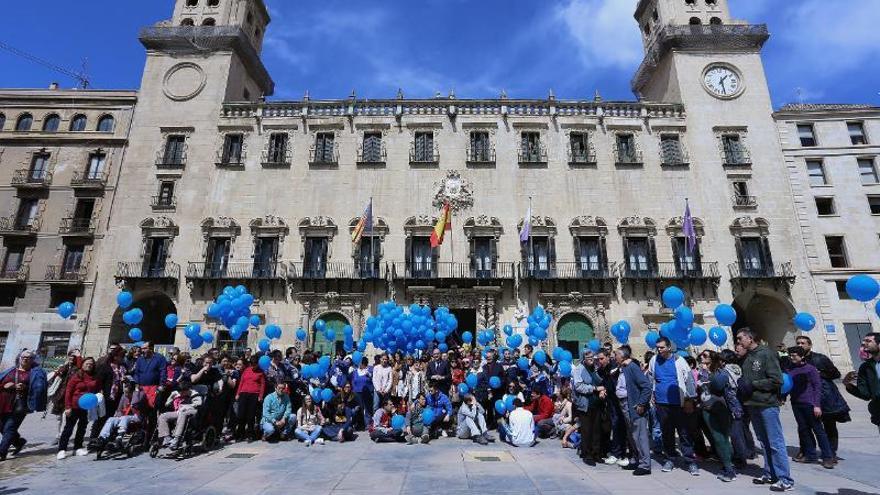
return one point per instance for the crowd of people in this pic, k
(612, 407)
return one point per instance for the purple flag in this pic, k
(690, 233)
(527, 227)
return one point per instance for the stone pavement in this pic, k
(446, 466)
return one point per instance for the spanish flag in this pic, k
(365, 225)
(444, 223)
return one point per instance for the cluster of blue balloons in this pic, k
(681, 329)
(322, 394)
(196, 336)
(66, 310)
(539, 322)
(395, 330)
(131, 316)
(233, 308)
(621, 331)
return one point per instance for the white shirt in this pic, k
(522, 427)
(382, 379)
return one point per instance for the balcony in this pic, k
(372, 156)
(171, 161)
(10, 275)
(324, 157)
(138, 270)
(452, 271)
(737, 158)
(66, 275)
(88, 180)
(15, 226)
(645, 273)
(232, 161)
(704, 270)
(532, 156)
(424, 157)
(31, 179)
(480, 156)
(163, 203)
(628, 158)
(277, 158)
(77, 227)
(744, 201)
(337, 271)
(567, 270)
(582, 157)
(784, 272)
(240, 270)
(674, 156)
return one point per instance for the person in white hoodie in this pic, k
(674, 396)
(520, 428)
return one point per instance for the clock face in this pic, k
(722, 81)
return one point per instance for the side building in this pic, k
(60, 157)
(831, 152)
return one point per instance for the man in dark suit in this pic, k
(440, 372)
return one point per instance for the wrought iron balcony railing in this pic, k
(697, 270)
(628, 157)
(568, 270)
(239, 270)
(277, 158)
(14, 274)
(480, 155)
(163, 203)
(27, 178)
(782, 271)
(88, 179)
(133, 270)
(534, 155)
(453, 271)
(741, 201)
(582, 157)
(737, 158)
(674, 156)
(15, 225)
(77, 226)
(323, 157)
(231, 160)
(66, 274)
(171, 160)
(372, 155)
(425, 156)
(337, 270)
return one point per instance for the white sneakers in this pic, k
(443, 434)
(82, 452)
(623, 462)
(61, 455)
(611, 460)
(320, 441)
(79, 452)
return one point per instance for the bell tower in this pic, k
(249, 15)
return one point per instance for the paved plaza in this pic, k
(446, 466)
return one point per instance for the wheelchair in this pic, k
(200, 435)
(129, 444)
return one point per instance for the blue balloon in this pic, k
(356, 357)
(805, 321)
(862, 288)
(301, 335)
(718, 336)
(443, 347)
(428, 416)
(595, 345)
(124, 299)
(398, 422)
(316, 394)
(191, 330)
(196, 342)
(625, 327)
(651, 339)
(698, 336)
(567, 356)
(673, 297)
(540, 357)
(330, 334)
(508, 330)
(324, 362)
(327, 395)
(684, 317)
(787, 383)
(500, 407)
(508, 402)
(254, 321)
(523, 363)
(471, 380)
(135, 335)
(137, 316)
(207, 337)
(88, 401)
(264, 345)
(171, 321)
(565, 368)
(66, 310)
(463, 388)
(557, 353)
(725, 314)
(320, 325)
(495, 382)
(213, 310)
(265, 362)
(347, 330)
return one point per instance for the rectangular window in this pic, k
(868, 171)
(741, 188)
(316, 250)
(685, 262)
(39, 167)
(842, 294)
(423, 147)
(638, 255)
(589, 255)
(825, 207)
(734, 150)
(837, 251)
(72, 262)
(480, 148)
(807, 135)
(175, 147)
(671, 150)
(372, 148)
(874, 204)
(26, 217)
(856, 133)
(217, 257)
(482, 257)
(367, 261)
(626, 149)
(421, 258)
(166, 194)
(96, 166)
(8, 294)
(539, 256)
(325, 147)
(579, 143)
(752, 255)
(155, 255)
(530, 148)
(277, 151)
(265, 257)
(54, 344)
(816, 169)
(12, 262)
(233, 146)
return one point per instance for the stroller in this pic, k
(200, 433)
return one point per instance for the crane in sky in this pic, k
(80, 77)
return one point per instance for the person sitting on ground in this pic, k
(472, 421)
(131, 410)
(542, 410)
(339, 424)
(520, 428)
(563, 417)
(184, 403)
(278, 418)
(415, 430)
(308, 423)
(439, 402)
(381, 430)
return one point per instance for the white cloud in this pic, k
(604, 31)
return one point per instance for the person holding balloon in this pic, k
(441, 405)
(386, 427)
(79, 398)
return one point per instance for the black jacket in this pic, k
(867, 387)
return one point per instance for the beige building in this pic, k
(831, 154)
(223, 187)
(60, 152)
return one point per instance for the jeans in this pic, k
(637, 430)
(719, 422)
(656, 432)
(9, 424)
(768, 428)
(79, 418)
(270, 429)
(810, 431)
(120, 423)
(308, 436)
(673, 420)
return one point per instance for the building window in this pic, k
(589, 251)
(276, 153)
(715, 21)
(12, 263)
(856, 133)
(192, 3)
(316, 252)
(165, 199)
(4, 337)
(868, 171)
(55, 346)
(836, 251)
(734, 150)
(531, 150)
(95, 170)
(217, 256)
(816, 169)
(695, 21)
(480, 149)
(625, 150)
(82, 216)
(741, 196)
(78, 123)
(671, 150)
(155, 256)
(874, 204)
(26, 217)
(39, 167)
(175, 150)
(325, 148)
(213, 3)
(106, 123)
(51, 123)
(24, 123)
(2, 121)
(639, 256)
(825, 207)
(233, 149)
(265, 257)
(371, 148)
(807, 135)
(483, 257)
(72, 262)
(539, 255)
(754, 256)
(579, 149)
(187, 22)
(209, 22)
(842, 294)
(423, 148)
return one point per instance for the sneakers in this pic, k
(764, 480)
(828, 463)
(488, 437)
(410, 440)
(631, 466)
(667, 466)
(781, 486)
(320, 441)
(727, 476)
(444, 434)
(425, 439)
(480, 439)
(610, 460)
(693, 470)
(308, 443)
(641, 472)
(82, 452)
(624, 463)
(61, 455)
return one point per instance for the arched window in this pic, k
(187, 22)
(695, 21)
(690, 2)
(2, 121)
(209, 22)
(192, 3)
(51, 123)
(213, 3)
(715, 21)
(106, 123)
(25, 121)
(78, 123)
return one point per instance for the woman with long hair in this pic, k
(714, 386)
(308, 422)
(82, 382)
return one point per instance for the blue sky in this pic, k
(819, 51)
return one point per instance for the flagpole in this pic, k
(451, 238)
(531, 243)
(372, 243)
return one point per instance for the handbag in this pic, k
(19, 406)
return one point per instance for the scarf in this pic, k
(118, 377)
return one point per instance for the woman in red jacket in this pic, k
(81, 383)
(251, 389)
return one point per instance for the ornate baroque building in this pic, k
(223, 187)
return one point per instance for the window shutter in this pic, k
(739, 252)
(551, 247)
(766, 256)
(652, 254)
(677, 255)
(626, 255)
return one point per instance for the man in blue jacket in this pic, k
(633, 390)
(439, 402)
(149, 372)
